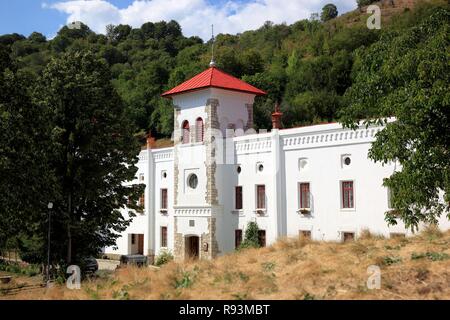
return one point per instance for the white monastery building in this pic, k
(314, 181)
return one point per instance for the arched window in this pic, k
(199, 130)
(186, 132)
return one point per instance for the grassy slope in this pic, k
(291, 269)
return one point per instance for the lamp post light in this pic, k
(50, 207)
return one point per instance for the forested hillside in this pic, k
(307, 65)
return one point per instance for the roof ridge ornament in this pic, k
(212, 64)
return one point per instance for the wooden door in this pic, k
(140, 244)
(193, 247)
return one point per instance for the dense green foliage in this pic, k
(407, 75)
(25, 178)
(163, 258)
(251, 239)
(329, 12)
(66, 139)
(362, 3)
(306, 65)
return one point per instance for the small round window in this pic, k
(239, 169)
(193, 181)
(347, 161)
(164, 175)
(260, 168)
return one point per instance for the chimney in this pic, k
(276, 117)
(150, 141)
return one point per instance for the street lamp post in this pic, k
(50, 207)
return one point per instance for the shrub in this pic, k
(387, 261)
(268, 266)
(30, 270)
(251, 236)
(185, 281)
(433, 256)
(432, 232)
(163, 258)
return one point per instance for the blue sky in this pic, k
(195, 16)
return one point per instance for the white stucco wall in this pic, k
(279, 152)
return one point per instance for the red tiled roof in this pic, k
(216, 78)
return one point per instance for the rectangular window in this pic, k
(261, 197)
(238, 198)
(133, 239)
(305, 234)
(141, 177)
(164, 237)
(347, 194)
(348, 236)
(237, 238)
(304, 196)
(262, 238)
(164, 199)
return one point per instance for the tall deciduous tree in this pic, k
(25, 178)
(407, 76)
(93, 152)
(329, 11)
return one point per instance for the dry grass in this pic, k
(412, 268)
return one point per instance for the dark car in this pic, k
(134, 259)
(88, 266)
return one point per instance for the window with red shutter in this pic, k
(163, 198)
(186, 132)
(261, 197)
(238, 198)
(262, 238)
(199, 130)
(304, 196)
(163, 237)
(237, 238)
(347, 194)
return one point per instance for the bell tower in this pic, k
(205, 106)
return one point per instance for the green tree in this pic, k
(406, 76)
(26, 179)
(117, 33)
(93, 153)
(251, 239)
(363, 3)
(329, 11)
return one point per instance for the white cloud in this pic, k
(194, 16)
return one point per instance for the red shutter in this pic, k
(199, 130)
(163, 236)
(237, 238)
(262, 238)
(261, 197)
(304, 195)
(163, 198)
(347, 194)
(186, 132)
(238, 197)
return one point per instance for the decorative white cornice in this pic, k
(161, 155)
(193, 211)
(254, 145)
(327, 138)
